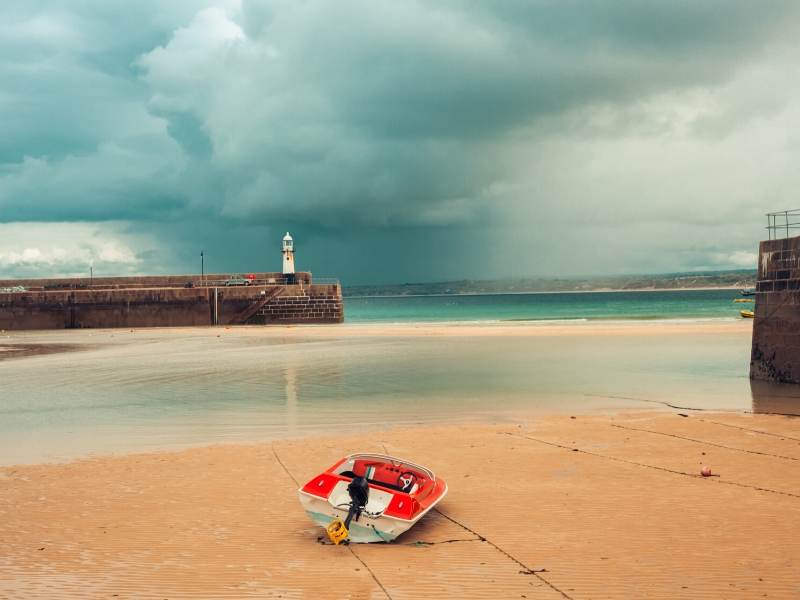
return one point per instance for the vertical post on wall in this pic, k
(216, 306)
(202, 269)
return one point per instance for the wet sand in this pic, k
(9, 351)
(545, 507)
(140, 390)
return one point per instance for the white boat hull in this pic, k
(365, 530)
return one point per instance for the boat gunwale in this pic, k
(383, 515)
(392, 459)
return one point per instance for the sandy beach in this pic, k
(559, 488)
(556, 507)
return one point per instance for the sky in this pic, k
(396, 141)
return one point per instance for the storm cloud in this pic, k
(397, 141)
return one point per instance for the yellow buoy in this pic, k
(747, 314)
(743, 300)
(337, 532)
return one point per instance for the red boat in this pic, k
(371, 497)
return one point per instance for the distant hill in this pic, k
(669, 281)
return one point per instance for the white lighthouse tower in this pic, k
(288, 255)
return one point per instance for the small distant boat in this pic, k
(747, 314)
(367, 498)
(748, 292)
(743, 300)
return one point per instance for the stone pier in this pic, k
(167, 301)
(775, 354)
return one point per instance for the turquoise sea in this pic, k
(679, 304)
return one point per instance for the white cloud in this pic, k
(39, 249)
(738, 259)
(114, 252)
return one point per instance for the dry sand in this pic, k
(93, 338)
(556, 507)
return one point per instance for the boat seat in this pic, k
(391, 486)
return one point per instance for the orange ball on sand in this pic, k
(705, 471)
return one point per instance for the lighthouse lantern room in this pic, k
(288, 256)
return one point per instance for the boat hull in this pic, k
(364, 531)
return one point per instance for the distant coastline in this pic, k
(717, 280)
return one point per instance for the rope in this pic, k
(378, 581)
(638, 464)
(374, 577)
(778, 435)
(680, 437)
(527, 570)
(285, 470)
(665, 403)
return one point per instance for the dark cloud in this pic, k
(404, 140)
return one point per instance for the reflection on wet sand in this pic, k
(290, 374)
(775, 398)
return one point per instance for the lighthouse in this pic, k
(288, 256)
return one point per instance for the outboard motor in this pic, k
(359, 496)
(358, 489)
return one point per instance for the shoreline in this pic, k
(534, 327)
(314, 433)
(573, 504)
(636, 408)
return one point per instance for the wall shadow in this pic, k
(775, 398)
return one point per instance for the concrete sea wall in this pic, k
(775, 354)
(151, 302)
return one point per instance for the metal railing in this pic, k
(780, 223)
(241, 282)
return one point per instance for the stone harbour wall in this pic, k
(775, 353)
(71, 306)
